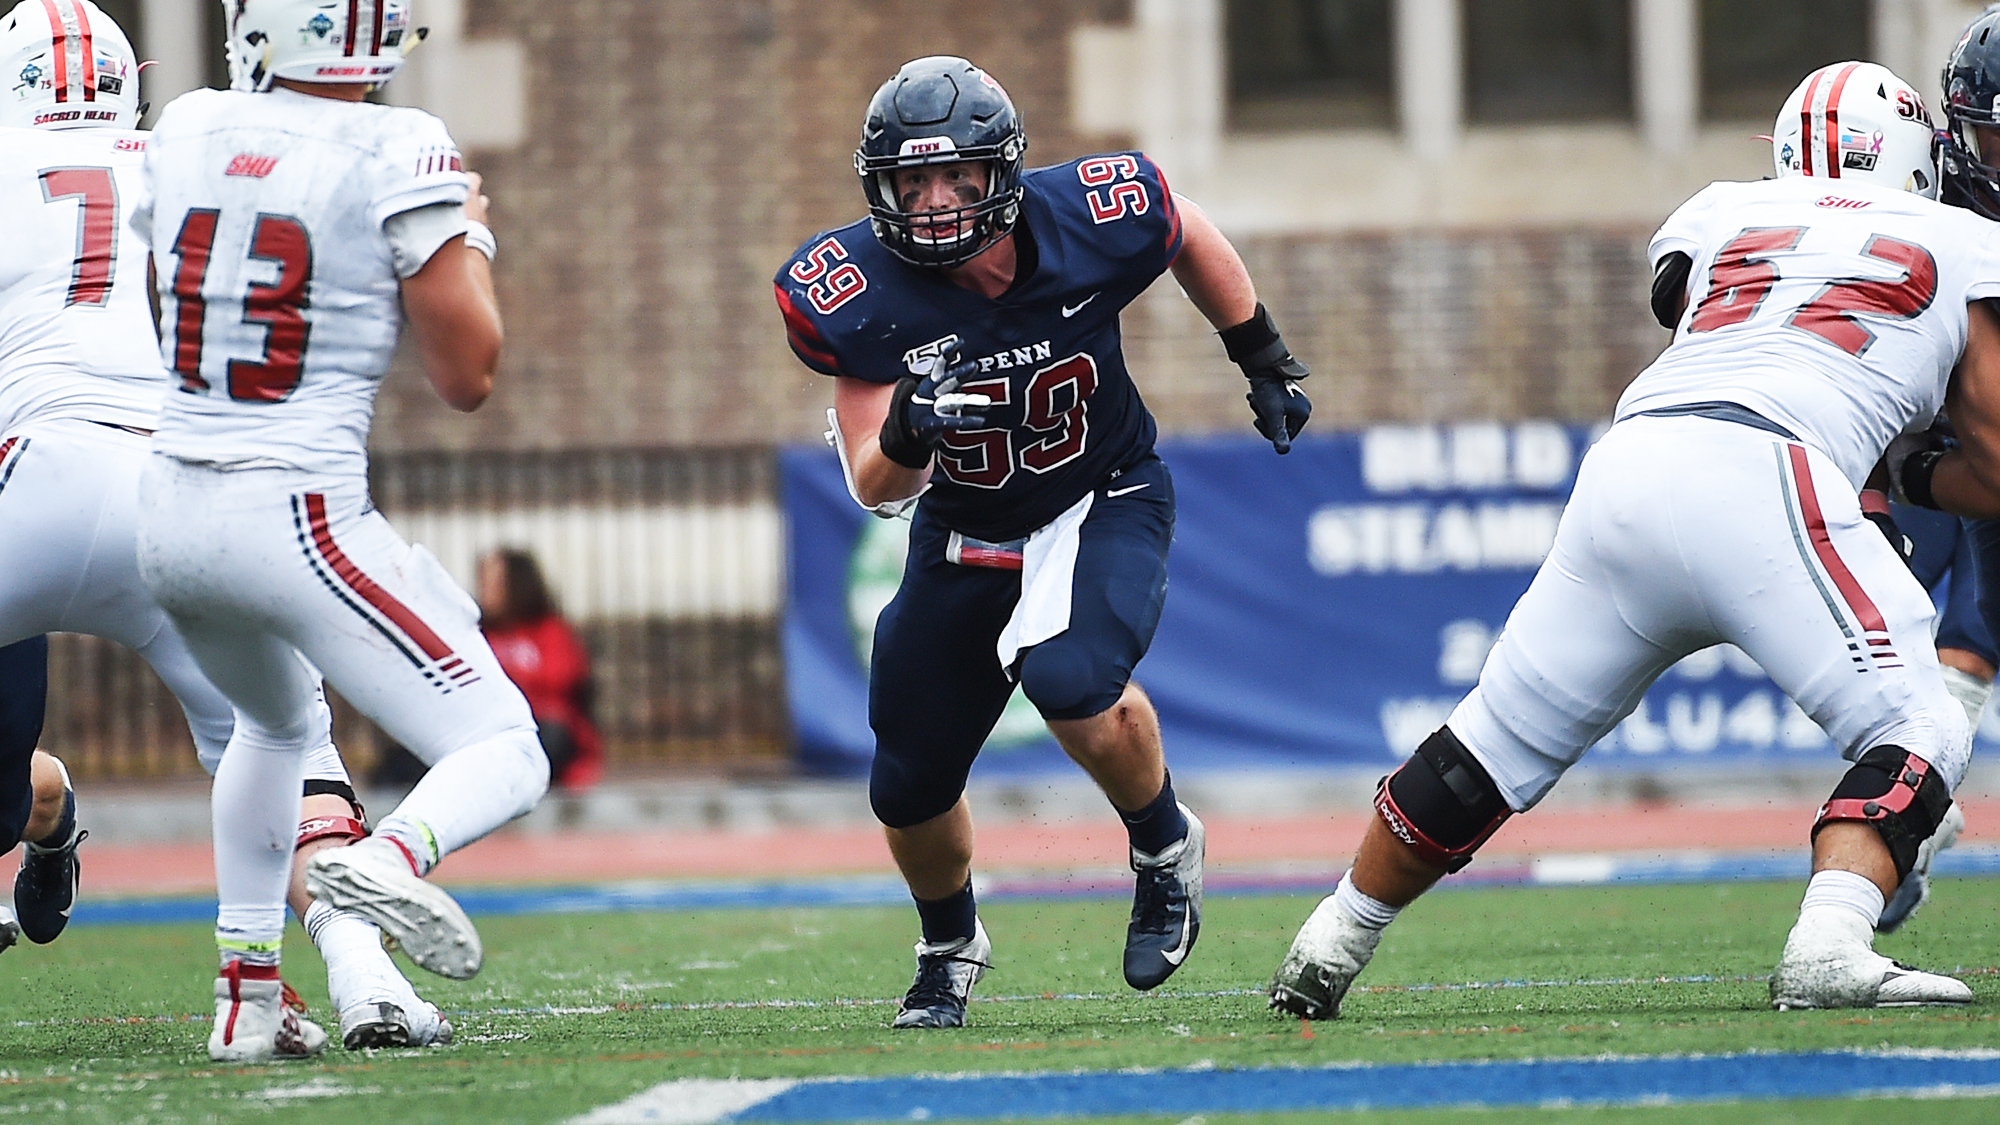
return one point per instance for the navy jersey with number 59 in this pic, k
(1065, 413)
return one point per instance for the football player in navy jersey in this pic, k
(970, 324)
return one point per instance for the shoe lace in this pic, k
(1157, 899)
(934, 987)
(46, 870)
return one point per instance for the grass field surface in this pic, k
(579, 1011)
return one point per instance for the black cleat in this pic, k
(1166, 909)
(45, 888)
(945, 976)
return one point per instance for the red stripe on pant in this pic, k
(384, 602)
(1857, 599)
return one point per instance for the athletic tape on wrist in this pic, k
(479, 236)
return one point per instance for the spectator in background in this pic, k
(542, 654)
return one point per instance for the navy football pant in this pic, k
(1948, 546)
(936, 687)
(24, 694)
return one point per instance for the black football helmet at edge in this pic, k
(939, 110)
(1972, 99)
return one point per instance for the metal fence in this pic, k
(669, 563)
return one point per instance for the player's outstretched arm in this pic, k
(455, 318)
(1213, 276)
(1966, 480)
(1210, 271)
(859, 409)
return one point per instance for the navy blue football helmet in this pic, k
(941, 110)
(1972, 100)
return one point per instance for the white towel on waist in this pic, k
(1048, 570)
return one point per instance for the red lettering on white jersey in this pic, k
(250, 164)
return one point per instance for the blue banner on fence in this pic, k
(1324, 609)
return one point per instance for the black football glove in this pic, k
(1275, 398)
(1875, 509)
(922, 410)
(1912, 459)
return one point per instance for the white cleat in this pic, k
(1827, 963)
(1915, 889)
(381, 1023)
(1331, 950)
(368, 1027)
(252, 1023)
(10, 928)
(373, 879)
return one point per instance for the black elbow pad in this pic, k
(1670, 287)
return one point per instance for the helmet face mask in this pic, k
(64, 64)
(311, 41)
(1857, 121)
(941, 110)
(1972, 100)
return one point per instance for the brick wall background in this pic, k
(679, 150)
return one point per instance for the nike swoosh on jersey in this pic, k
(1111, 492)
(1071, 310)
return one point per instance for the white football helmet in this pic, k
(1858, 121)
(66, 65)
(317, 41)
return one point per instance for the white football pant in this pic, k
(261, 567)
(1688, 532)
(69, 509)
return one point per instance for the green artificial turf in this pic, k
(577, 1011)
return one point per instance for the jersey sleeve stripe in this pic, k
(804, 338)
(1172, 213)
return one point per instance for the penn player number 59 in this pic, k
(830, 282)
(1053, 432)
(1743, 274)
(1115, 191)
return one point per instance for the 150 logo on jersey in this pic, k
(1742, 276)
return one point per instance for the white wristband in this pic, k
(479, 236)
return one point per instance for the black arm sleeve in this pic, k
(1670, 288)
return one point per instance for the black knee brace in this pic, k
(1442, 803)
(1896, 793)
